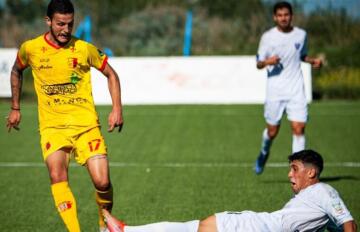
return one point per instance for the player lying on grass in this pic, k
(314, 207)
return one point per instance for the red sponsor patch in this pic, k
(48, 145)
(74, 62)
(64, 206)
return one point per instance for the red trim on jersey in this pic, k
(51, 43)
(19, 62)
(103, 64)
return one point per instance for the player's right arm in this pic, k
(263, 57)
(269, 61)
(14, 117)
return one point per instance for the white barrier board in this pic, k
(189, 80)
(7, 58)
(175, 80)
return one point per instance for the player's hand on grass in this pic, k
(115, 120)
(13, 120)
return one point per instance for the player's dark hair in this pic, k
(280, 5)
(309, 157)
(59, 6)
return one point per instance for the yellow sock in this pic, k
(104, 199)
(66, 205)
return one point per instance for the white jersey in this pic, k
(312, 208)
(285, 80)
(309, 210)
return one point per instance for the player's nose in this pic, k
(289, 174)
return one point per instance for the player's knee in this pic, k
(102, 184)
(298, 130)
(272, 133)
(57, 177)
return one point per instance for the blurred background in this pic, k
(180, 162)
(231, 27)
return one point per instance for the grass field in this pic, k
(178, 163)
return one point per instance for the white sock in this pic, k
(190, 226)
(266, 142)
(298, 143)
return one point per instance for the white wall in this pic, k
(175, 80)
(189, 80)
(7, 58)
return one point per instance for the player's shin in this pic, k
(66, 205)
(265, 143)
(191, 226)
(104, 200)
(298, 143)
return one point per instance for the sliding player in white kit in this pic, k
(281, 50)
(315, 206)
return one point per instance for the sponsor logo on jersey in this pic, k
(70, 101)
(44, 60)
(63, 206)
(59, 89)
(72, 62)
(338, 208)
(44, 49)
(297, 46)
(48, 145)
(74, 78)
(42, 67)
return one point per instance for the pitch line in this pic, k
(182, 165)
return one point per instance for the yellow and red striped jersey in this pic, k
(62, 80)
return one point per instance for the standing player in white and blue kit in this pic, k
(315, 206)
(281, 50)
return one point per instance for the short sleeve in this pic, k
(22, 56)
(335, 208)
(304, 49)
(97, 58)
(262, 53)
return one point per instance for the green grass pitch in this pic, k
(178, 163)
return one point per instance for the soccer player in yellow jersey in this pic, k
(68, 122)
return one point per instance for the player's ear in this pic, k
(48, 20)
(312, 173)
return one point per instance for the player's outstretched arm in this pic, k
(315, 62)
(14, 117)
(115, 118)
(350, 226)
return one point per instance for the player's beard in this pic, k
(285, 25)
(56, 39)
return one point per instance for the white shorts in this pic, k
(245, 221)
(296, 111)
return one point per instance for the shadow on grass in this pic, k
(322, 179)
(275, 181)
(337, 178)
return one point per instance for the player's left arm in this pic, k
(115, 118)
(350, 226)
(315, 62)
(337, 211)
